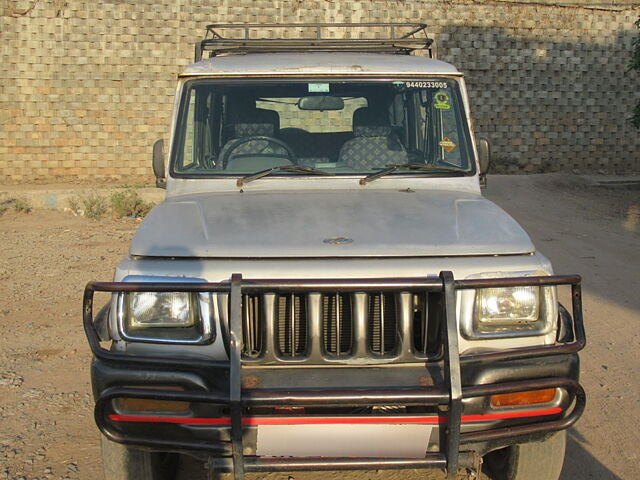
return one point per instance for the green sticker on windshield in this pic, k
(441, 101)
(318, 88)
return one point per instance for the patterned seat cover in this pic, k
(374, 144)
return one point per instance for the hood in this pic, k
(329, 224)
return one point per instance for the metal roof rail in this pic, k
(401, 38)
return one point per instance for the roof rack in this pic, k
(401, 38)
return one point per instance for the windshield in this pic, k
(338, 127)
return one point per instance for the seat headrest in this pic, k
(253, 129)
(268, 116)
(244, 110)
(371, 122)
(255, 122)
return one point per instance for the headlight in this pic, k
(507, 306)
(509, 311)
(165, 317)
(154, 310)
(513, 311)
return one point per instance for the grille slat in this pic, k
(252, 327)
(420, 320)
(337, 324)
(291, 325)
(426, 325)
(383, 323)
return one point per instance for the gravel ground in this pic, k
(46, 424)
(46, 408)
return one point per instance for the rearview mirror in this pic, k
(321, 102)
(484, 159)
(158, 163)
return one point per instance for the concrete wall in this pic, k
(87, 85)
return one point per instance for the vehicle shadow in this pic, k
(580, 464)
(595, 243)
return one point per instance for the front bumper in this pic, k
(226, 420)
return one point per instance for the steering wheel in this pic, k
(232, 145)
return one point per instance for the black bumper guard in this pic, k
(229, 455)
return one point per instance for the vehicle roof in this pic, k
(318, 63)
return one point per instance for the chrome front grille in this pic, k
(329, 327)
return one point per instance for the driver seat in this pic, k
(257, 123)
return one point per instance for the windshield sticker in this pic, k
(426, 85)
(447, 144)
(441, 101)
(318, 88)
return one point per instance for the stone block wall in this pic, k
(86, 87)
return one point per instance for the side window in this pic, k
(399, 119)
(201, 132)
(438, 133)
(421, 122)
(448, 138)
(188, 148)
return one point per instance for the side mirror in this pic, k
(158, 163)
(484, 159)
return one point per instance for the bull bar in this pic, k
(229, 456)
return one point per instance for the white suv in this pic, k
(324, 286)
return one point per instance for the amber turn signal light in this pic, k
(529, 397)
(288, 410)
(146, 405)
(149, 405)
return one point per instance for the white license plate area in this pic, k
(344, 440)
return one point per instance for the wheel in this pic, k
(529, 461)
(121, 462)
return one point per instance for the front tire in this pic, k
(529, 461)
(121, 462)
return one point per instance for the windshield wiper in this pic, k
(410, 166)
(282, 168)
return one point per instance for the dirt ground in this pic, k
(46, 424)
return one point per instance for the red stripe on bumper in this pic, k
(332, 420)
